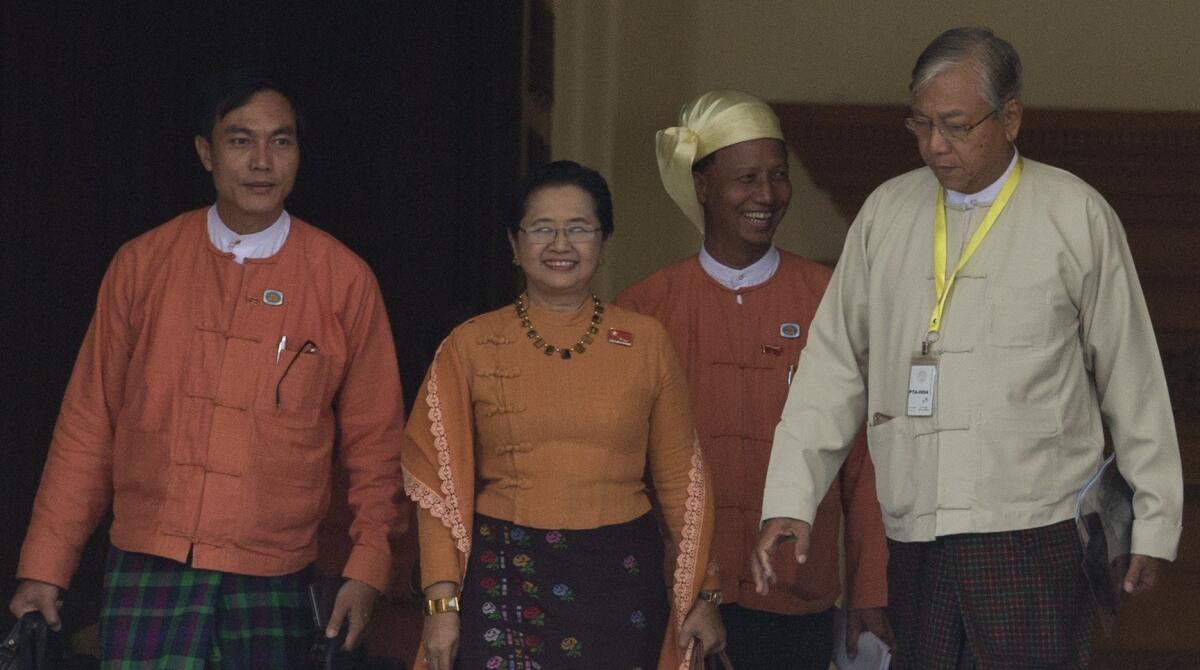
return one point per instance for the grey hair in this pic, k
(994, 60)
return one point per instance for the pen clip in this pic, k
(309, 347)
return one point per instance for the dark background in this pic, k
(414, 112)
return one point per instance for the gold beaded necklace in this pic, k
(538, 342)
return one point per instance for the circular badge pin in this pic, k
(273, 297)
(789, 331)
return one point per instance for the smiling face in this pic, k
(745, 192)
(558, 273)
(971, 164)
(253, 157)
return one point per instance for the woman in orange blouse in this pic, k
(536, 438)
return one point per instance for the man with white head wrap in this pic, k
(738, 315)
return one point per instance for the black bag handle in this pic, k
(24, 648)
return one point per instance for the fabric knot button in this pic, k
(515, 483)
(500, 409)
(504, 373)
(518, 448)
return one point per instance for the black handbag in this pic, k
(24, 648)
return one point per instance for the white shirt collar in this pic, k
(985, 197)
(263, 244)
(736, 279)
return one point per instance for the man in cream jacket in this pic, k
(987, 322)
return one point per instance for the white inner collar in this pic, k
(263, 244)
(737, 279)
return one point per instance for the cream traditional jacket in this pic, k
(1045, 340)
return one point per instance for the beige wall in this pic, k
(623, 68)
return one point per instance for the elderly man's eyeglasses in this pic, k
(547, 234)
(952, 131)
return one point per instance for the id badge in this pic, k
(922, 386)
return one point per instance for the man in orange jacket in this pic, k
(227, 347)
(738, 316)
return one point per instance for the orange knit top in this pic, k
(504, 429)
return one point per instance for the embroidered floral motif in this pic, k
(491, 560)
(485, 531)
(534, 643)
(438, 506)
(523, 563)
(689, 543)
(631, 565)
(572, 647)
(491, 585)
(446, 506)
(564, 593)
(494, 662)
(638, 620)
(492, 637)
(556, 539)
(519, 535)
(534, 616)
(490, 611)
(530, 589)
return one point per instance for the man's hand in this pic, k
(1142, 574)
(869, 620)
(35, 596)
(704, 624)
(355, 600)
(775, 532)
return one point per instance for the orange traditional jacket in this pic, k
(738, 348)
(502, 429)
(206, 438)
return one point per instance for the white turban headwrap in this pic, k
(713, 121)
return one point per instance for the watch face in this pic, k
(713, 597)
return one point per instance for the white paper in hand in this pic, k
(873, 654)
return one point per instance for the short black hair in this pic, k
(229, 90)
(564, 173)
(702, 164)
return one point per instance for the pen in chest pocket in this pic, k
(308, 348)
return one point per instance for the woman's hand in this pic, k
(440, 633)
(704, 624)
(440, 637)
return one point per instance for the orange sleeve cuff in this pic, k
(45, 562)
(439, 557)
(369, 566)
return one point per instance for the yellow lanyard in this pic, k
(943, 284)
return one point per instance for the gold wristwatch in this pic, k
(713, 597)
(441, 605)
